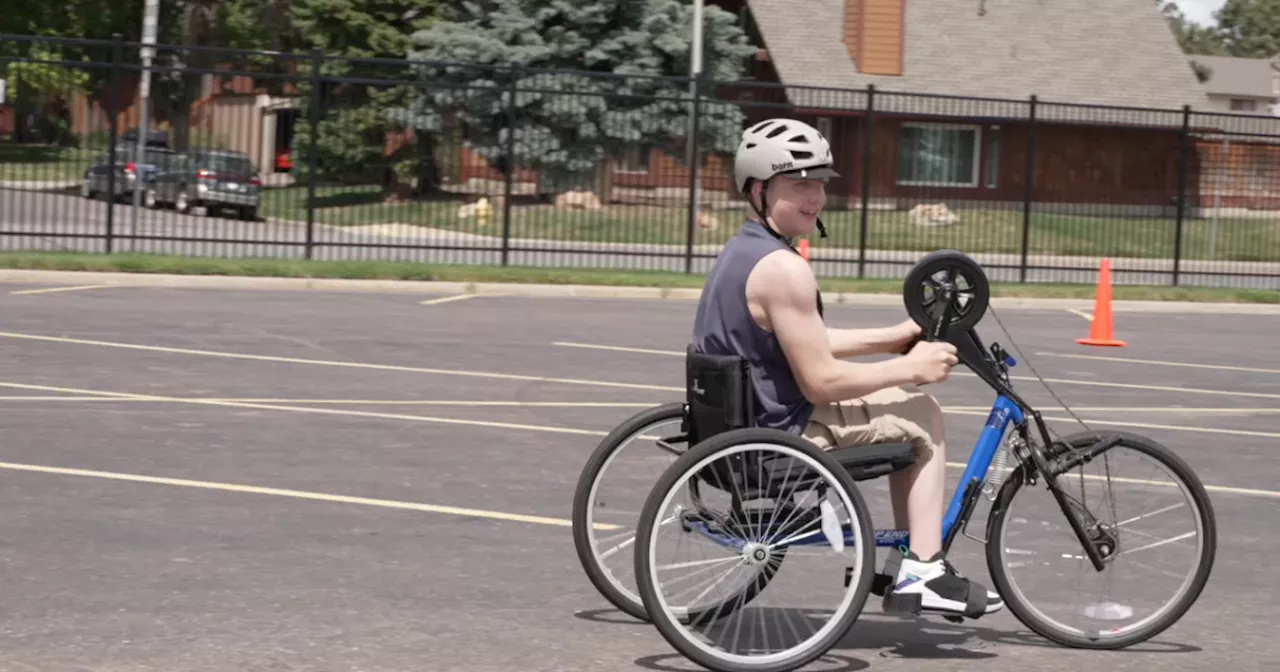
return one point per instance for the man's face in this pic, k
(794, 204)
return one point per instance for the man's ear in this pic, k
(756, 191)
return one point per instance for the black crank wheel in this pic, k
(926, 285)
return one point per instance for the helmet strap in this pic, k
(762, 210)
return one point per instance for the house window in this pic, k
(1243, 105)
(939, 155)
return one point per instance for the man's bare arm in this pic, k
(861, 342)
(784, 287)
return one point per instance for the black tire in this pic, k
(582, 501)
(651, 511)
(1021, 608)
(915, 299)
(599, 577)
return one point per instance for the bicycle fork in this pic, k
(1052, 468)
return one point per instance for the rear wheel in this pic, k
(604, 521)
(813, 507)
(605, 514)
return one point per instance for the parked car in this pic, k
(215, 179)
(128, 172)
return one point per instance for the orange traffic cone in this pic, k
(1100, 329)
(804, 249)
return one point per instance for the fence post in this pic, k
(694, 176)
(865, 187)
(314, 114)
(113, 135)
(511, 164)
(1182, 191)
(1029, 190)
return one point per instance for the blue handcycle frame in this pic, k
(1004, 412)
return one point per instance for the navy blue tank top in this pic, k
(723, 326)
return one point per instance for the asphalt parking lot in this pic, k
(201, 479)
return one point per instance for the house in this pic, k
(954, 81)
(953, 86)
(233, 112)
(1249, 85)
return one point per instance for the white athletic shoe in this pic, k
(935, 586)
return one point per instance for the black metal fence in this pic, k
(307, 156)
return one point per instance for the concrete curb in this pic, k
(269, 283)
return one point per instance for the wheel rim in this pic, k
(1017, 544)
(852, 567)
(950, 270)
(970, 302)
(621, 540)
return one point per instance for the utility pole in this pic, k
(149, 20)
(691, 150)
(695, 67)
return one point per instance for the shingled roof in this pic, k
(1068, 51)
(1233, 76)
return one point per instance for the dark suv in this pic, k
(216, 179)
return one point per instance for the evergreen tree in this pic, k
(622, 82)
(353, 125)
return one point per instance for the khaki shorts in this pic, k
(891, 415)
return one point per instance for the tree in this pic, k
(621, 80)
(1193, 38)
(1250, 28)
(353, 126)
(41, 86)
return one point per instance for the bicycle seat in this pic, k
(864, 462)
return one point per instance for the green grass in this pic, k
(979, 231)
(39, 163)
(381, 270)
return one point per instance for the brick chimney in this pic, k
(875, 35)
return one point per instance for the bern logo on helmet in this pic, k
(783, 166)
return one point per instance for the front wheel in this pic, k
(1158, 537)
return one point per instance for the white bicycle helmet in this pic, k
(782, 147)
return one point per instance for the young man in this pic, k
(761, 302)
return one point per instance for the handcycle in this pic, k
(715, 449)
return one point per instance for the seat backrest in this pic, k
(719, 394)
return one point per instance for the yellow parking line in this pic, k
(351, 402)
(447, 299)
(618, 348)
(305, 409)
(352, 365)
(1138, 481)
(477, 423)
(301, 494)
(61, 289)
(967, 374)
(1144, 425)
(1157, 362)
